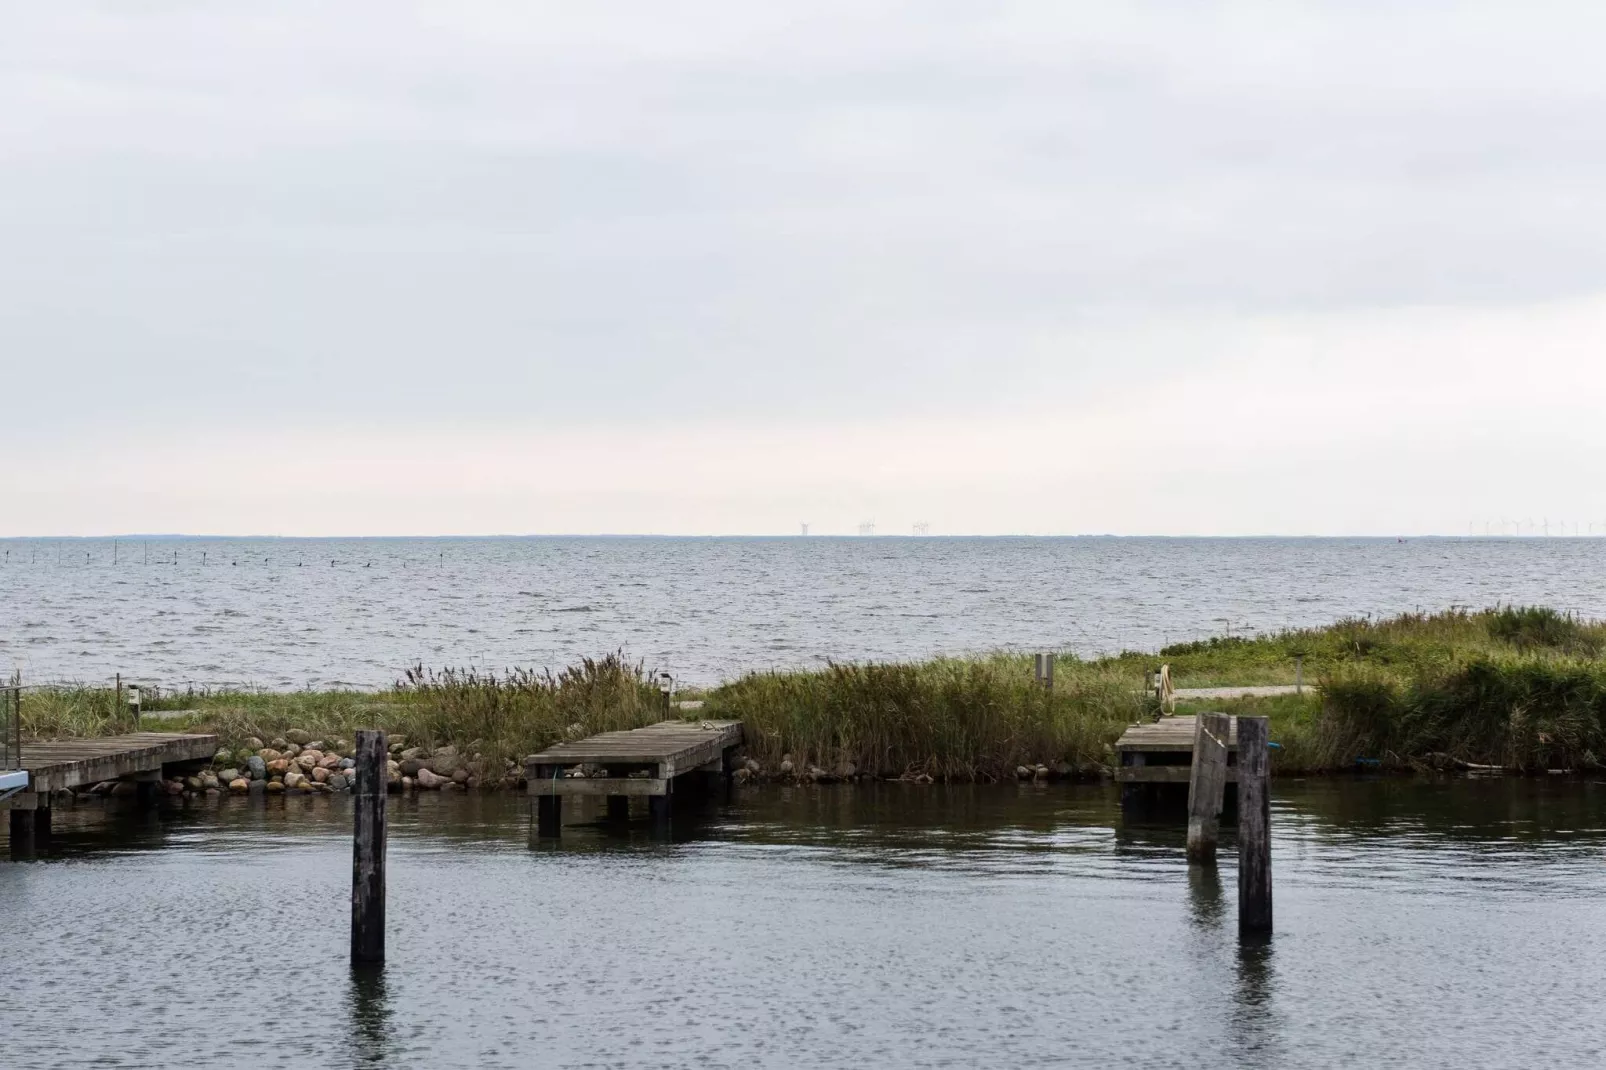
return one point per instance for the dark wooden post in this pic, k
(618, 805)
(368, 850)
(1206, 785)
(659, 808)
(21, 830)
(1254, 827)
(1134, 797)
(1043, 671)
(548, 808)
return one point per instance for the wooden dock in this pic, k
(71, 763)
(642, 762)
(1158, 756)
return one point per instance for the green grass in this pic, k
(1523, 688)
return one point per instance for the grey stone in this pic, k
(228, 775)
(429, 780)
(411, 753)
(410, 767)
(786, 767)
(299, 735)
(446, 762)
(337, 782)
(278, 743)
(254, 744)
(348, 763)
(257, 787)
(257, 767)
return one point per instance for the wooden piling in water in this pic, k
(1254, 827)
(1207, 783)
(368, 850)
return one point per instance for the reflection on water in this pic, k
(1204, 896)
(1253, 1032)
(370, 1016)
(884, 925)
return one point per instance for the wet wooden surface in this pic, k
(71, 763)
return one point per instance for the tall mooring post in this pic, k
(368, 850)
(1207, 783)
(1254, 827)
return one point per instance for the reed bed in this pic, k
(1516, 687)
(948, 718)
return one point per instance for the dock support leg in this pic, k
(1133, 796)
(658, 810)
(618, 805)
(727, 768)
(22, 826)
(548, 808)
(1254, 828)
(1206, 784)
(368, 851)
(41, 823)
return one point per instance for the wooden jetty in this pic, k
(641, 762)
(1158, 756)
(71, 763)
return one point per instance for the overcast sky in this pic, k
(724, 267)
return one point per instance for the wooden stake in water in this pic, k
(368, 850)
(1254, 827)
(1207, 783)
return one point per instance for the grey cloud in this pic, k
(342, 213)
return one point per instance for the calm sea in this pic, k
(286, 613)
(1419, 923)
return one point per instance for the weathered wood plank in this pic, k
(1206, 785)
(60, 764)
(593, 786)
(368, 850)
(1162, 774)
(1254, 828)
(667, 741)
(1170, 734)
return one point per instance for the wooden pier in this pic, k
(72, 763)
(1158, 756)
(642, 762)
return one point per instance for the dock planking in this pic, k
(656, 754)
(72, 763)
(1156, 758)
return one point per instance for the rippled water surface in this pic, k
(1419, 923)
(296, 612)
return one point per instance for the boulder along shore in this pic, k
(298, 764)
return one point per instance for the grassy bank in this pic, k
(1518, 688)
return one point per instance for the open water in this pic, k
(1419, 923)
(290, 613)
